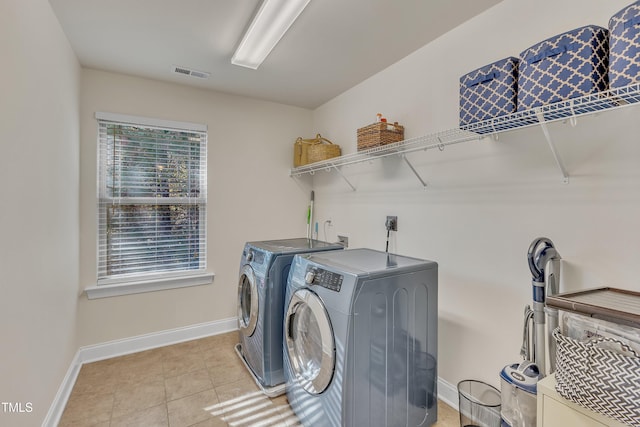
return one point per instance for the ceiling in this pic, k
(334, 44)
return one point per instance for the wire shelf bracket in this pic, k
(415, 172)
(344, 177)
(552, 146)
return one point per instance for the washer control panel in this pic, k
(326, 279)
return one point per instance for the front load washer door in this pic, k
(247, 301)
(309, 340)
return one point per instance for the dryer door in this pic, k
(247, 301)
(310, 342)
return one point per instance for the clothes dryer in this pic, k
(264, 269)
(361, 339)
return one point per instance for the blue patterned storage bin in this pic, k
(624, 53)
(569, 65)
(489, 91)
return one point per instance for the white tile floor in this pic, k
(195, 383)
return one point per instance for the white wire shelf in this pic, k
(540, 116)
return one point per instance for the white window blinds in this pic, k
(152, 198)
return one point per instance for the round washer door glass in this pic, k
(310, 342)
(247, 301)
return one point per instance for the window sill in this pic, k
(106, 291)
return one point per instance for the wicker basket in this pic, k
(377, 134)
(593, 375)
(313, 150)
(300, 152)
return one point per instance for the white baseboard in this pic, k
(448, 393)
(93, 353)
(64, 391)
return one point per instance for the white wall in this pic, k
(486, 201)
(39, 110)
(251, 196)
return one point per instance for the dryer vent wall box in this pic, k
(339, 369)
(343, 240)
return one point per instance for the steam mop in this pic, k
(544, 263)
(519, 380)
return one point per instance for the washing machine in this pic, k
(360, 339)
(264, 269)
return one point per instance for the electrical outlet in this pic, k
(343, 240)
(392, 223)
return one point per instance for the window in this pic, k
(152, 199)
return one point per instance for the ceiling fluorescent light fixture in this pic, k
(267, 28)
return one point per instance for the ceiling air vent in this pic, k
(190, 72)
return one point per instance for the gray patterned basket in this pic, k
(624, 54)
(569, 65)
(488, 92)
(598, 378)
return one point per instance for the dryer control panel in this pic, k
(324, 278)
